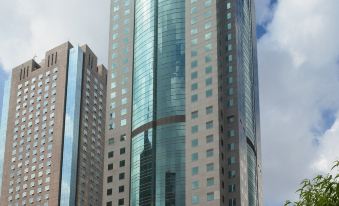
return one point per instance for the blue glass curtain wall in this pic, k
(3, 126)
(72, 123)
(158, 153)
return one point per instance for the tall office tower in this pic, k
(183, 123)
(55, 130)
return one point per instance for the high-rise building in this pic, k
(54, 130)
(182, 104)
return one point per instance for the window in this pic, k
(208, 35)
(231, 174)
(110, 166)
(195, 143)
(209, 110)
(209, 125)
(109, 179)
(231, 133)
(231, 147)
(195, 199)
(195, 185)
(121, 202)
(110, 154)
(232, 202)
(208, 81)
(194, 75)
(208, 69)
(231, 160)
(194, 86)
(209, 93)
(194, 115)
(109, 192)
(208, 58)
(122, 137)
(194, 98)
(231, 188)
(122, 150)
(209, 167)
(194, 157)
(121, 189)
(123, 122)
(122, 163)
(195, 170)
(111, 141)
(210, 181)
(109, 203)
(194, 129)
(209, 153)
(210, 196)
(121, 176)
(209, 138)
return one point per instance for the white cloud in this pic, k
(299, 80)
(31, 28)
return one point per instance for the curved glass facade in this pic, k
(142, 172)
(170, 71)
(170, 164)
(144, 62)
(158, 153)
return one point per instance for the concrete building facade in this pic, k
(55, 130)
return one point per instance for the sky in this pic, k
(298, 53)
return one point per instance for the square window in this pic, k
(121, 188)
(210, 196)
(209, 110)
(194, 115)
(194, 157)
(121, 176)
(109, 179)
(109, 192)
(209, 167)
(195, 185)
(194, 86)
(209, 93)
(122, 150)
(209, 125)
(195, 199)
(195, 170)
(210, 181)
(194, 129)
(209, 153)
(209, 138)
(194, 98)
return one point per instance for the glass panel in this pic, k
(72, 122)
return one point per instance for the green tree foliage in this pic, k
(322, 190)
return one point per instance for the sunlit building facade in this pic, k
(54, 130)
(183, 123)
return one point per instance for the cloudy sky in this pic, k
(298, 51)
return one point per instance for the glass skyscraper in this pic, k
(182, 104)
